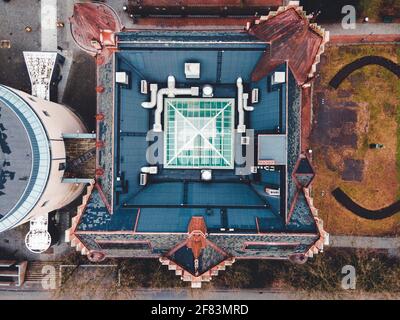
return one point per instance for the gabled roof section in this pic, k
(197, 224)
(93, 26)
(303, 173)
(196, 254)
(96, 213)
(292, 38)
(301, 215)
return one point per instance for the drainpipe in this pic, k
(245, 106)
(171, 92)
(241, 128)
(153, 97)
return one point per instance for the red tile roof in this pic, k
(197, 236)
(89, 20)
(197, 224)
(291, 39)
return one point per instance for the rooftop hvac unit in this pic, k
(273, 192)
(122, 78)
(253, 169)
(150, 170)
(269, 168)
(143, 179)
(278, 77)
(192, 70)
(143, 86)
(254, 95)
(245, 140)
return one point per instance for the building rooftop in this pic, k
(24, 156)
(15, 158)
(199, 155)
(292, 38)
(199, 133)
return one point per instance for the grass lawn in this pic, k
(375, 10)
(375, 273)
(376, 92)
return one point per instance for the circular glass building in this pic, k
(32, 157)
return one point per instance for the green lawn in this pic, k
(375, 10)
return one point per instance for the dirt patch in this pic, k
(344, 93)
(353, 170)
(332, 125)
(356, 78)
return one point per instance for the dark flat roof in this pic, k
(15, 159)
(173, 196)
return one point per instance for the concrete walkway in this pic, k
(194, 295)
(364, 242)
(49, 25)
(364, 33)
(364, 29)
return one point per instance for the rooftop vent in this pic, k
(278, 77)
(143, 179)
(245, 140)
(192, 70)
(122, 78)
(206, 175)
(143, 86)
(254, 95)
(207, 91)
(272, 191)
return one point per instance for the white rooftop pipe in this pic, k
(171, 92)
(150, 170)
(245, 106)
(241, 128)
(153, 97)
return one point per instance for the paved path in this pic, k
(154, 294)
(364, 242)
(197, 295)
(49, 25)
(364, 33)
(361, 39)
(364, 29)
(14, 17)
(65, 42)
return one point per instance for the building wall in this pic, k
(233, 244)
(57, 120)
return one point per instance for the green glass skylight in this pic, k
(198, 133)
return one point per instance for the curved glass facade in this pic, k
(41, 158)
